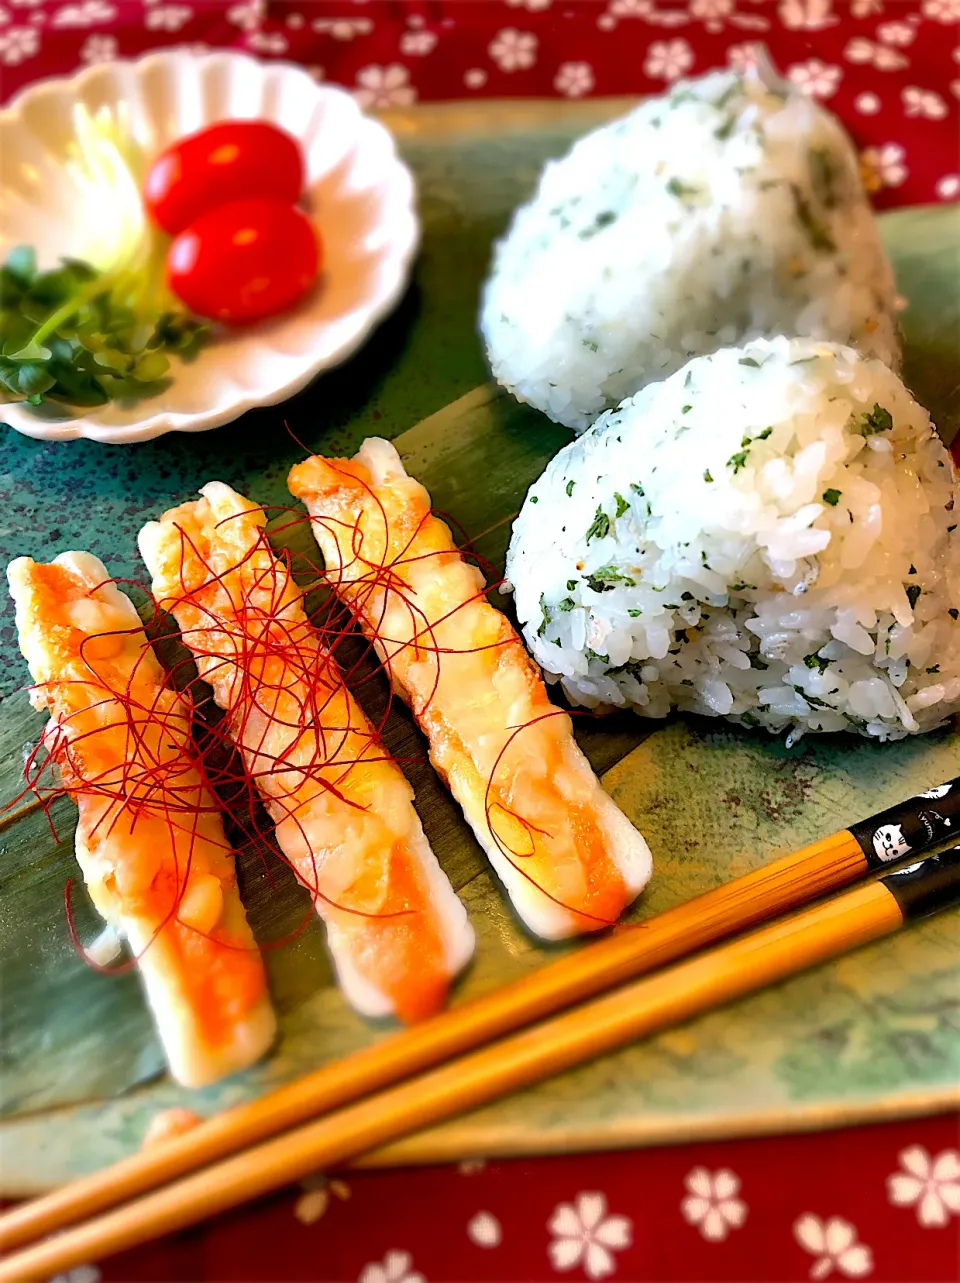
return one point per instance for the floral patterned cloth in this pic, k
(879, 1203)
(889, 68)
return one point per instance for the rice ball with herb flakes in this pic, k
(768, 536)
(731, 208)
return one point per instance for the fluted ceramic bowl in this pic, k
(359, 192)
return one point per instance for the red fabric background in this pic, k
(424, 1214)
(891, 70)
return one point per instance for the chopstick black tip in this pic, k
(927, 886)
(910, 827)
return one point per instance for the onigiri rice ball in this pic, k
(729, 209)
(768, 536)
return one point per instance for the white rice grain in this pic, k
(729, 209)
(725, 544)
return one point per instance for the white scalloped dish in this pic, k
(359, 192)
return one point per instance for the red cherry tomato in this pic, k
(228, 161)
(244, 261)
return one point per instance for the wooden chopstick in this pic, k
(716, 977)
(778, 887)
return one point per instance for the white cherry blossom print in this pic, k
(485, 1230)
(861, 50)
(418, 43)
(247, 15)
(5, 17)
(932, 1185)
(743, 57)
(941, 10)
(882, 166)
(533, 5)
(955, 88)
(342, 28)
(806, 15)
(631, 8)
(867, 104)
(295, 21)
(672, 18)
(87, 14)
(17, 44)
(711, 10)
(834, 1243)
(315, 1199)
(167, 17)
(713, 14)
(27, 4)
(394, 1268)
(646, 11)
(513, 50)
(923, 102)
(585, 1235)
(272, 42)
(384, 86)
(887, 59)
(866, 8)
(712, 1204)
(948, 187)
(475, 77)
(573, 79)
(815, 78)
(896, 33)
(668, 59)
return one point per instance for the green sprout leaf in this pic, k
(83, 337)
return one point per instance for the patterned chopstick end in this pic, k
(927, 886)
(910, 827)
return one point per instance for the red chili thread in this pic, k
(384, 577)
(333, 623)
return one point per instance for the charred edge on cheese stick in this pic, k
(150, 839)
(570, 860)
(343, 809)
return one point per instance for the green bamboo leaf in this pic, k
(831, 1044)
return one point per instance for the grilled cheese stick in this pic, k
(150, 839)
(570, 860)
(343, 810)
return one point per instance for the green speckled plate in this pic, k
(874, 1034)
